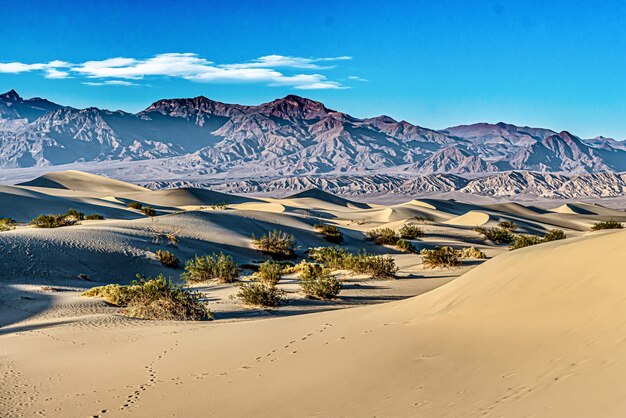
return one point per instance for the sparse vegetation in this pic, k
(218, 267)
(94, 217)
(440, 257)
(270, 273)
(51, 221)
(554, 235)
(219, 206)
(471, 252)
(382, 236)
(606, 225)
(168, 259)
(148, 211)
(6, 224)
(317, 283)
(496, 235)
(378, 266)
(521, 241)
(411, 231)
(423, 219)
(330, 232)
(276, 242)
(134, 205)
(405, 246)
(154, 298)
(508, 225)
(260, 294)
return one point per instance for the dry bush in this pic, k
(219, 206)
(6, 224)
(148, 211)
(471, 252)
(317, 283)
(330, 232)
(382, 236)
(496, 235)
(51, 221)
(440, 257)
(606, 225)
(378, 266)
(94, 217)
(276, 242)
(521, 241)
(154, 298)
(554, 235)
(134, 205)
(411, 231)
(168, 259)
(508, 225)
(260, 294)
(218, 267)
(270, 273)
(405, 246)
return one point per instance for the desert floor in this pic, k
(534, 332)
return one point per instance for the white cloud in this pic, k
(356, 78)
(273, 70)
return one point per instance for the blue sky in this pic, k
(560, 65)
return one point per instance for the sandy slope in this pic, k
(534, 332)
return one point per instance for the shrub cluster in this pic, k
(606, 225)
(508, 225)
(270, 273)
(382, 236)
(521, 241)
(94, 217)
(146, 210)
(218, 267)
(471, 252)
(134, 205)
(496, 235)
(330, 232)
(154, 298)
(6, 224)
(378, 266)
(276, 242)
(168, 259)
(261, 294)
(411, 231)
(405, 246)
(440, 257)
(52, 221)
(554, 235)
(219, 206)
(317, 283)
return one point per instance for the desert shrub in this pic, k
(317, 283)
(440, 257)
(148, 211)
(330, 232)
(270, 273)
(496, 235)
(51, 221)
(382, 236)
(471, 252)
(94, 217)
(508, 225)
(218, 267)
(521, 241)
(276, 242)
(405, 246)
(378, 266)
(75, 215)
(423, 219)
(260, 294)
(134, 205)
(168, 259)
(6, 224)
(290, 268)
(606, 225)
(154, 298)
(219, 206)
(411, 231)
(554, 234)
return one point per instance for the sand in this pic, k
(533, 332)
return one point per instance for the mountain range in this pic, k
(291, 136)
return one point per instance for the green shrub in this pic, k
(276, 242)
(521, 241)
(382, 236)
(606, 225)
(134, 205)
(168, 259)
(411, 231)
(94, 217)
(379, 267)
(211, 267)
(471, 252)
(270, 273)
(219, 206)
(440, 257)
(496, 235)
(260, 294)
(330, 232)
(148, 211)
(51, 221)
(508, 225)
(405, 246)
(154, 298)
(6, 224)
(423, 219)
(317, 283)
(75, 215)
(331, 257)
(554, 234)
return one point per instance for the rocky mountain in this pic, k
(291, 136)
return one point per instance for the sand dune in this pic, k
(82, 181)
(533, 332)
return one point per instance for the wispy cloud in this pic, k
(273, 70)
